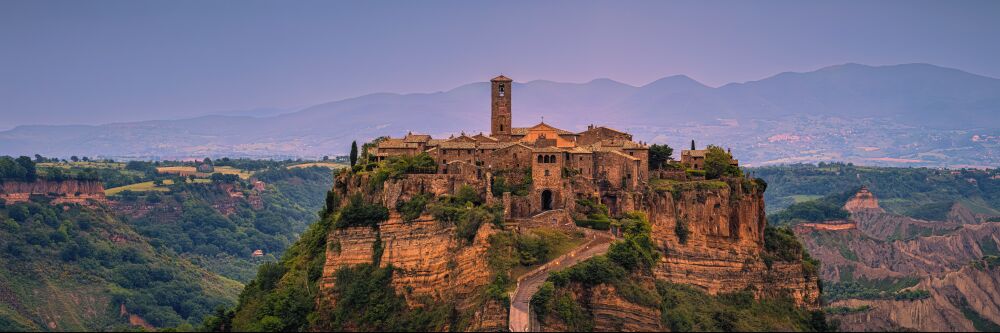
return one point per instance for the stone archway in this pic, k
(546, 200)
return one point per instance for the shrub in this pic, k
(411, 209)
(681, 229)
(636, 250)
(397, 166)
(540, 301)
(359, 213)
(595, 215)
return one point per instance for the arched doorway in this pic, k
(546, 200)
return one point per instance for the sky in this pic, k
(95, 62)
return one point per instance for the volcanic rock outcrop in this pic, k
(64, 191)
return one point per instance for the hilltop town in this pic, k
(538, 203)
(563, 166)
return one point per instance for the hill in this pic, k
(915, 249)
(69, 267)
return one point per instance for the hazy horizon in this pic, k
(121, 61)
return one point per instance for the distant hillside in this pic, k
(871, 105)
(72, 268)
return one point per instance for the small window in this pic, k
(541, 159)
(501, 89)
(546, 173)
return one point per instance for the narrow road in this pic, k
(528, 284)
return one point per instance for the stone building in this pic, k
(600, 163)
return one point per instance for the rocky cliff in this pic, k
(724, 243)
(864, 200)
(711, 236)
(929, 261)
(64, 191)
(429, 261)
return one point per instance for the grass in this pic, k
(139, 187)
(571, 241)
(88, 164)
(668, 185)
(804, 198)
(189, 170)
(330, 165)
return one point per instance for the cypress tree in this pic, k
(354, 153)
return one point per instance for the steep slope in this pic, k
(70, 267)
(888, 272)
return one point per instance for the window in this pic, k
(546, 173)
(541, 159)
(501, 127)
(501, 90)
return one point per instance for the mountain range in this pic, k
(846, 112)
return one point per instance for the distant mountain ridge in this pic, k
(917, 95)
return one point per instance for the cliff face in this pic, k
(951, 296)
(709, 237)
(722, 251)
(431, 264)
(864, 200)
(937, 254)
(66, 191)
(429, 260)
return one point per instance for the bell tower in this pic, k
(500, 111)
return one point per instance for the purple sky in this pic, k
(90, 62)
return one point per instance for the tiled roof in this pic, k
(548, 150)
(394, 143)
(457, 145)
(694, 153)
(416, 138)
(607, 128)
(608, 145)
(623, 155)
(502, 78)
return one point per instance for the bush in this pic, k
(636, 251)
(595, 215)
(397, 166)
(682, 230)
(540, 301)
(359, 213)
(411, 209)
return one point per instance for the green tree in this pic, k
(30, 173)
(659, 154)
(717, 163)
(74, 158)
(354, 153)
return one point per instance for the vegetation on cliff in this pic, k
(626, 268)
(78, 268)
(223, 242)
(592, 215)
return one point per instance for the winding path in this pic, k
(529, 283)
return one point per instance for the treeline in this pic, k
(898, 189)
(830, 207)
(21, 168)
